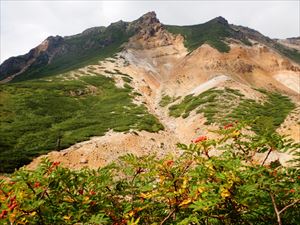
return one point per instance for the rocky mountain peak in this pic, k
(54, 41)
(149, 18)
(147, 27)
(148, 23)
(220, 20)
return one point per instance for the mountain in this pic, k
(143, 86)
(60, 54)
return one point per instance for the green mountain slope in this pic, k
(216, 31)
(81, 50)
(38, 116)
(213, 32)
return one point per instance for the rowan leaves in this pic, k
(194, 188)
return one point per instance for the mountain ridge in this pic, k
(95, 40)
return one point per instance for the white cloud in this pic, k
(24, 24)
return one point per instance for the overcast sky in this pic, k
(25, 24)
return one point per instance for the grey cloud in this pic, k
(24, 24)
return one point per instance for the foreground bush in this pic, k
(195, 188)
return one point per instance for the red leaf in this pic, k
(11, 208)
(169, 163)
(37, 184)
(200, 139)
(92, 192)
(3, 214)
(228, 126)
(55, 164)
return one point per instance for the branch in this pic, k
(28, 184)
(167, 217)
(288, 206)
(267, 156)
(186, 168)
(274, 204)
(276, 209)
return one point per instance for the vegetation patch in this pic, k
(126, 79)
(213, 33)
(222, 106)
(38, 116)
(191, 102)
(267, 115)
(290, 53)
(166, 100)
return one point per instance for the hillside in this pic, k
(141, 77)
(61, 54)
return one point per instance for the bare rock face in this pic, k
(150, 33)
(146, 25)
(252, 34)
(83, 161)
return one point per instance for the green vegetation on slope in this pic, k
(267, 115)
(80, 53)
(166, 100)
(191, 102)
(39, 116)
(293, 54)
(213, 33)
(222, 106)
